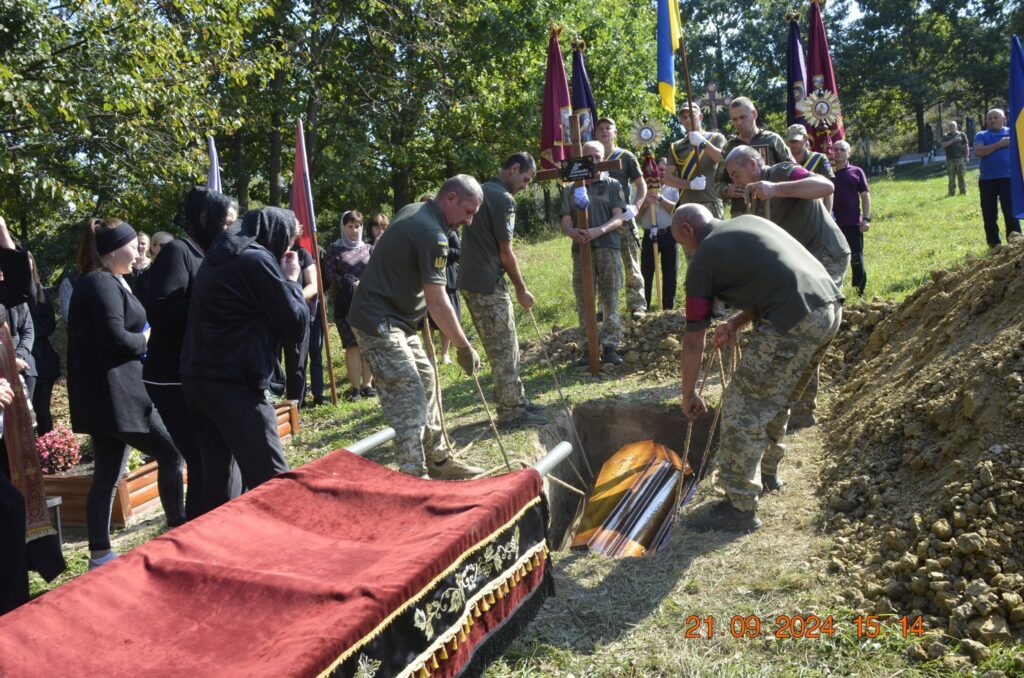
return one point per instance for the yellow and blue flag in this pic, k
(669, 32)
(1017, 127)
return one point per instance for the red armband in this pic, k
(697, 309)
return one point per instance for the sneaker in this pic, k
(771, 483)
(638, 314)
(724, 517)
(353, 395)
(610, 356)
(525, 419)
(102, 560)
(535, 408)
(449, 469)
(446, 360)
(368, 392)
(799, 420)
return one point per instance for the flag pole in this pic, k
(686, 71)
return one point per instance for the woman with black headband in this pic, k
(245, 302)
(106, 346)
(206, 213)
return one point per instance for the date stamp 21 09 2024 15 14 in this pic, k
(791, 626)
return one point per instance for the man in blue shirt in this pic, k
(993, 148)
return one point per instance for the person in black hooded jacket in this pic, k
(206, 213)
(245, 302)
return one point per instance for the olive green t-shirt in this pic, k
(753, 265)
(494, 223)
(627, 174)
(956, 151)
(806, 220)
(686, 166)
(773, 149)
(413, 250)
(605, 194)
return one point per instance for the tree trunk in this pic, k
(400, 189)
(922, 134)
(241, 173)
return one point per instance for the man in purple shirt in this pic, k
(851, 207)
(993, 148)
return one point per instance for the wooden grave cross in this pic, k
(713, 103)
(578, 169)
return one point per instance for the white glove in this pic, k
(654, 232)
(698, 183)
(630, 212)
(696, 138)
(580, 197)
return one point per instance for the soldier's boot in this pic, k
(771, 483)
(801, 419)
(449, 469)
(610, 356)
(724, 517)
(535, 408)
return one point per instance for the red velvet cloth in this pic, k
(278, 582)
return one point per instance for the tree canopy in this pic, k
(105, 106)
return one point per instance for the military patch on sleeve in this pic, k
(440, 262)
(511, 221)
(442, 240)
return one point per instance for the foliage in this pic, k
(135, 460)
(58, 450)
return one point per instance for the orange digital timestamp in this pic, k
(785, 626)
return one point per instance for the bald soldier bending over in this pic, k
(795, 309)
(405, 279)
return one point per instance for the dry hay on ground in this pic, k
(925, 487)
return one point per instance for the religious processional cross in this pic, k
(577, 169)
(713, 102)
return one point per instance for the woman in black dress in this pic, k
(206, 214)
(107, 340)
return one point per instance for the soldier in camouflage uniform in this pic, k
(630, 177)
(602, 198)
(795, 310)
(486, 257)
(790, 196)
(403, 280)
(694, 161)
(812, 161)
(769, 144)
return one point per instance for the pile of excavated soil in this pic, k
(925, 487)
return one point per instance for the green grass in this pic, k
(627, 617)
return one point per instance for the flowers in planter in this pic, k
(58, 450)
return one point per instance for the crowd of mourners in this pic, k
(180, 347)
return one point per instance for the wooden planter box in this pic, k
(137, 492)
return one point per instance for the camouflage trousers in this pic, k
(495, 323)
(608, 280)
(955, 171)
(630, 251)
(773, 371)
(836, 267)
(404, 379)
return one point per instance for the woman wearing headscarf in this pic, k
(345, 264)
(106, 344)
(246, 301)
(206, 214)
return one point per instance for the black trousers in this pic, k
(233, 420)
(14, 558)
(169, 400)
(41, 398)
(111, 453)
(669, 255)
(855, 239)
(991, 191)
(295, 357)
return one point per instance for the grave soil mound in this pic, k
(925, 487)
